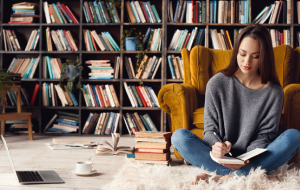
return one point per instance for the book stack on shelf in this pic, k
(135, 122)
(62, 39)
(153, 147)
(58, 13)
(184, 39)
(142, 12)
(176, 66)
(150, 66)
(192, 11)
(100, 96)
(221, 40)
(51, 94)
(23, 13)
(105, 123)
(104, 41)
(25, 66)
(19, 126)
(63, 122)
(102, 69)
(141, 96)
(100, 12)
(51, 67)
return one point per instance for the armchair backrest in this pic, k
(202, 63)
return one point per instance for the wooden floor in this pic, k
(35, 155)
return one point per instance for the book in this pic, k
(153, 134)
(152, 156)
(240, 160)
(113, 149)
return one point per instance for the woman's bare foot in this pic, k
(271, 177)
(204, 176)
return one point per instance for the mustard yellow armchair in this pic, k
(184, 102)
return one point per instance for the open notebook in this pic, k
(114, 149)
(240, 159)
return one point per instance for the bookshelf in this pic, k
(42, 115)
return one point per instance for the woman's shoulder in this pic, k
(218, 79)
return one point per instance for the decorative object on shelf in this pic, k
(71, 70)
(130, 43)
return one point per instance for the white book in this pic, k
(61, 40)
(155, 97)
(157, 66)
(173, 38)
(267, 16)
(146, 96)
(72, 40)
(150, 15)
(128, 94)
(272, 32)
(98, 41)
(140, 12)
(52, 94)
(226, 4)
(47, 15)
(32, 40)
(34, 67)
(110, 98)
(29, 40)
(289, 15)
(177, 39)
(131, 66)
(148, 67)
(129, 131)
(61, 95)
(221, 11)
(135, 10)
(91, 96)
(275, 12)
(116, 122)
(192, 38)
(180, 68)
(69, 129)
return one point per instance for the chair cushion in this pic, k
(198, 118)
(198, 132)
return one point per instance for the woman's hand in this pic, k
(220, 149)
(235, 166)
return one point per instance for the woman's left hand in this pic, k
(235, 166)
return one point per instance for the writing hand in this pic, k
(220, 149)
(235, 166)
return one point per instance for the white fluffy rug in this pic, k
(137, 176)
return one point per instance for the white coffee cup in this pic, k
(84, 167)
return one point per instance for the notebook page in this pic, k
(252, 153)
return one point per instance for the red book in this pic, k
(36, 89)
(100, 96)
(34, 16)
(281, 38)
(192, 11)
(197, 11)
(59, 62)
(93, 42)
(187, 40)
(145, 13)
(70, 13)
(141, 96)
(69, 41)
(20, 22)
(105, 96)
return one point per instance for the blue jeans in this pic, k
(195, 151)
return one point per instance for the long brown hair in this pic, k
(266, 69)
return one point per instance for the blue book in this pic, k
(109, 123)
(98, 77)
(88, 16)
(87, 122)
(198, 37)
(176, 45)
(95, 94)
(73, 98)
(47, 94)
(182, 40)
(148, 14)
(147, 88)
(111, 38)
(65, 40)
(57, 13)
(177, 5)
(114, 13)
(49, 67)
(133, 122)
(247, 10)
(110, 41)
(171, 67)
(14, 65)
(113, 124)
(25, 10)
(51, 129)
(31, 70)
(28, 69)
(135, 15)
(24, 13)
(242, 12)
(102, 12)
(35, 38)
(146, 36)
(66, 122)
(13, 97)
(64, 12)
(85, 14)
(215, 12)
(97, 11)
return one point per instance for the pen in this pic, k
(221, 141)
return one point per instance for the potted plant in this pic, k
(5, 79)
(71, 71)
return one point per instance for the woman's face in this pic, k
(248, 56)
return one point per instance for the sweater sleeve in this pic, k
(211, 123)
(268, 128)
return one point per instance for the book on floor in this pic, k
(153, 134)
(240, 159)
(113, 149)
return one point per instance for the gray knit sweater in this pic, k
(245, 117)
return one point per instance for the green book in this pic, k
(90, 40)
(109, 40)
(98, 12)
(182, 40)
(86, 96)
(137, 95)
(155, 13)
(203, 11)
(103, 42)
(145, 123)
(113, 41)
(150, 38)
(68, 114)
(92, 12)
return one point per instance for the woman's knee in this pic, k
(293, 135)
(179, 136)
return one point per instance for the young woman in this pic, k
(243, 105)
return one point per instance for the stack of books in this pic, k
(51, 67)
(104, 41)
(19, 126)
(66, 122)
(176, 67)
(184, 39)
(53, 92)
(62, 39)
(24, 97)
(221, 40)
(101, 12)
(11, 42)
(141, 96)
(153, 147)
(23, 13)
(135, 122)
(105, 123)
(102, 69)
(25, 66)
(100, 96)
(150, 66)
(142, 12)
(279, 12)
(152, 39)
(279, 38)
(192, 11)
(58, 13)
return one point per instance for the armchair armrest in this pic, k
(180, 101)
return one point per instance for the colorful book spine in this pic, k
(102, 12)
(97, 12)
(73, 98)
(156, 14)
(57, 13)
(171, 67)
(64, 12)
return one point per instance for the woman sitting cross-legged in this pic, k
(243, 105)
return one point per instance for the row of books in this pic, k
(147, 69)
(23, 13)
(100, 96)
(51, 67)
(58, 13)
(142, 12)
(102, 69)
(63, 122)
(184, 39)
(24, 97)
(100, 12)
(221, 40)
(104, 41)
(104, 123)
(153, 147)
(152, 39)
(52, 92)
(62, 39)
(278, 38)
(192, 11)
(20, 127)
(176, 66)
(25, 66)
(141, 96)
(11, 42)
(137, 122)
(280, 9)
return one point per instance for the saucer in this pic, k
(93, 172)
